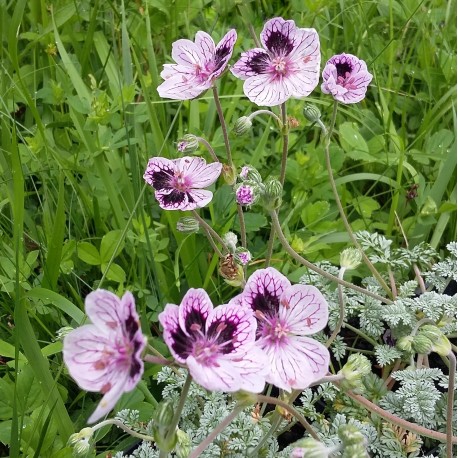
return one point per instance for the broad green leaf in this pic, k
(353, 142)
(314, 212)
(111, 246)
(115, 272)
(89, 253)
(365, 205)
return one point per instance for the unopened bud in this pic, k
(62, 332)
(312, 112)
(243, 256)
(442, 346)
(164, 441)
(188, 224)
(80, 441)
(353, 442)
(230, 239)
(309, 448)
(350, 258)
(356, 367)
(229, 174)
(249, 173)
(163, 415)
(230, 271)
(430, 331)
(245, 195)
(245, 398)
(188, 144)
(183, 446)
(293, 122)
(405, 343)
(242, 126)
(421, 344)
(271, 195)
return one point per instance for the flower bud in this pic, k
(442, 346)
(229, 174)
(245, 195)
(188, 144)
(353, 442)
(242, 126)
(230, 239)
(163, 415)
(62, 332)
(356, 367)
(405, 343)
(245, 398)
(249, 173)
(188, 224)
(80, 441)
(309, 448)
(242, 256)
(163, 441)
(350, 258)
(230, 271)
(312, 112)
(183, 446)
(271, 195)
(430, 331)
(421, 344)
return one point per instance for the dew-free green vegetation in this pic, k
(80, 116)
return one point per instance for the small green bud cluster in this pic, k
(271, 195)
(310, 448)
(350, 258)
(188, 144)
(188, 224)
(357, 367)
(312, 112)
(353, 442)
(80, 442)
(242, 126)
(429, 338)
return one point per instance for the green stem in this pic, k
(209, 148)
(211, 231)
(348, 228)
(267, 112)
(360, 333)
(341, 309)
(314, 268)
(209, 439)
(121, 425)
(223, 125)
(284, 157)
(451, 392)
(300, 418)
(242, 226)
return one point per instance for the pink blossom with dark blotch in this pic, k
(178, 183)
(105, 356)
(286, 314)
(198, 65)
(346, 78)
(216, 344)
(289, 65)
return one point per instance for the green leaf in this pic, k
(314, 212)
(115, 272)
(253, 222)
(353, 143)
(365, 206)
(89, 254)
(111, 246)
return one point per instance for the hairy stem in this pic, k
(276, 420)
(121, 425)
(267, 112)
(223, 125)
(341, 309)
(395, 420)
(276, 225)
(211, 232)
(307, 426)
(450, 398)
(209, 148)
(209, 439)
(348, 228)
(242, 226)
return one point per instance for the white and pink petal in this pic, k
(194, 310)
(178, 341)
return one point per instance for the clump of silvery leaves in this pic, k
(402, 346)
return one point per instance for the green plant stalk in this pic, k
(348, 228)
(243, 240)
(341, 309)
(210, 230)
(209, 148)
(360, 333)
(314, 268)
(209, 439)
(450, 398)
(177, 415)
(267, 112)
(284, 157)
(223, 125)
(273, 427)
(121, 425)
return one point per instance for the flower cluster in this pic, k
(261, 335)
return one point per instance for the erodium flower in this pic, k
(178, 183)
(197, 65)
(346, 78)
(216, 344)
(286, 314)
(105, 355)
(289, 65)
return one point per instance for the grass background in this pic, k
(80, 116)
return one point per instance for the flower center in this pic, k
(272, 327)
(180, 182)
(279, 65)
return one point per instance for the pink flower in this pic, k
(346, 78)
(217, 345)
(105, 355)
(197, 65)
(289, 65)
(178, 183)
(286, 314)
